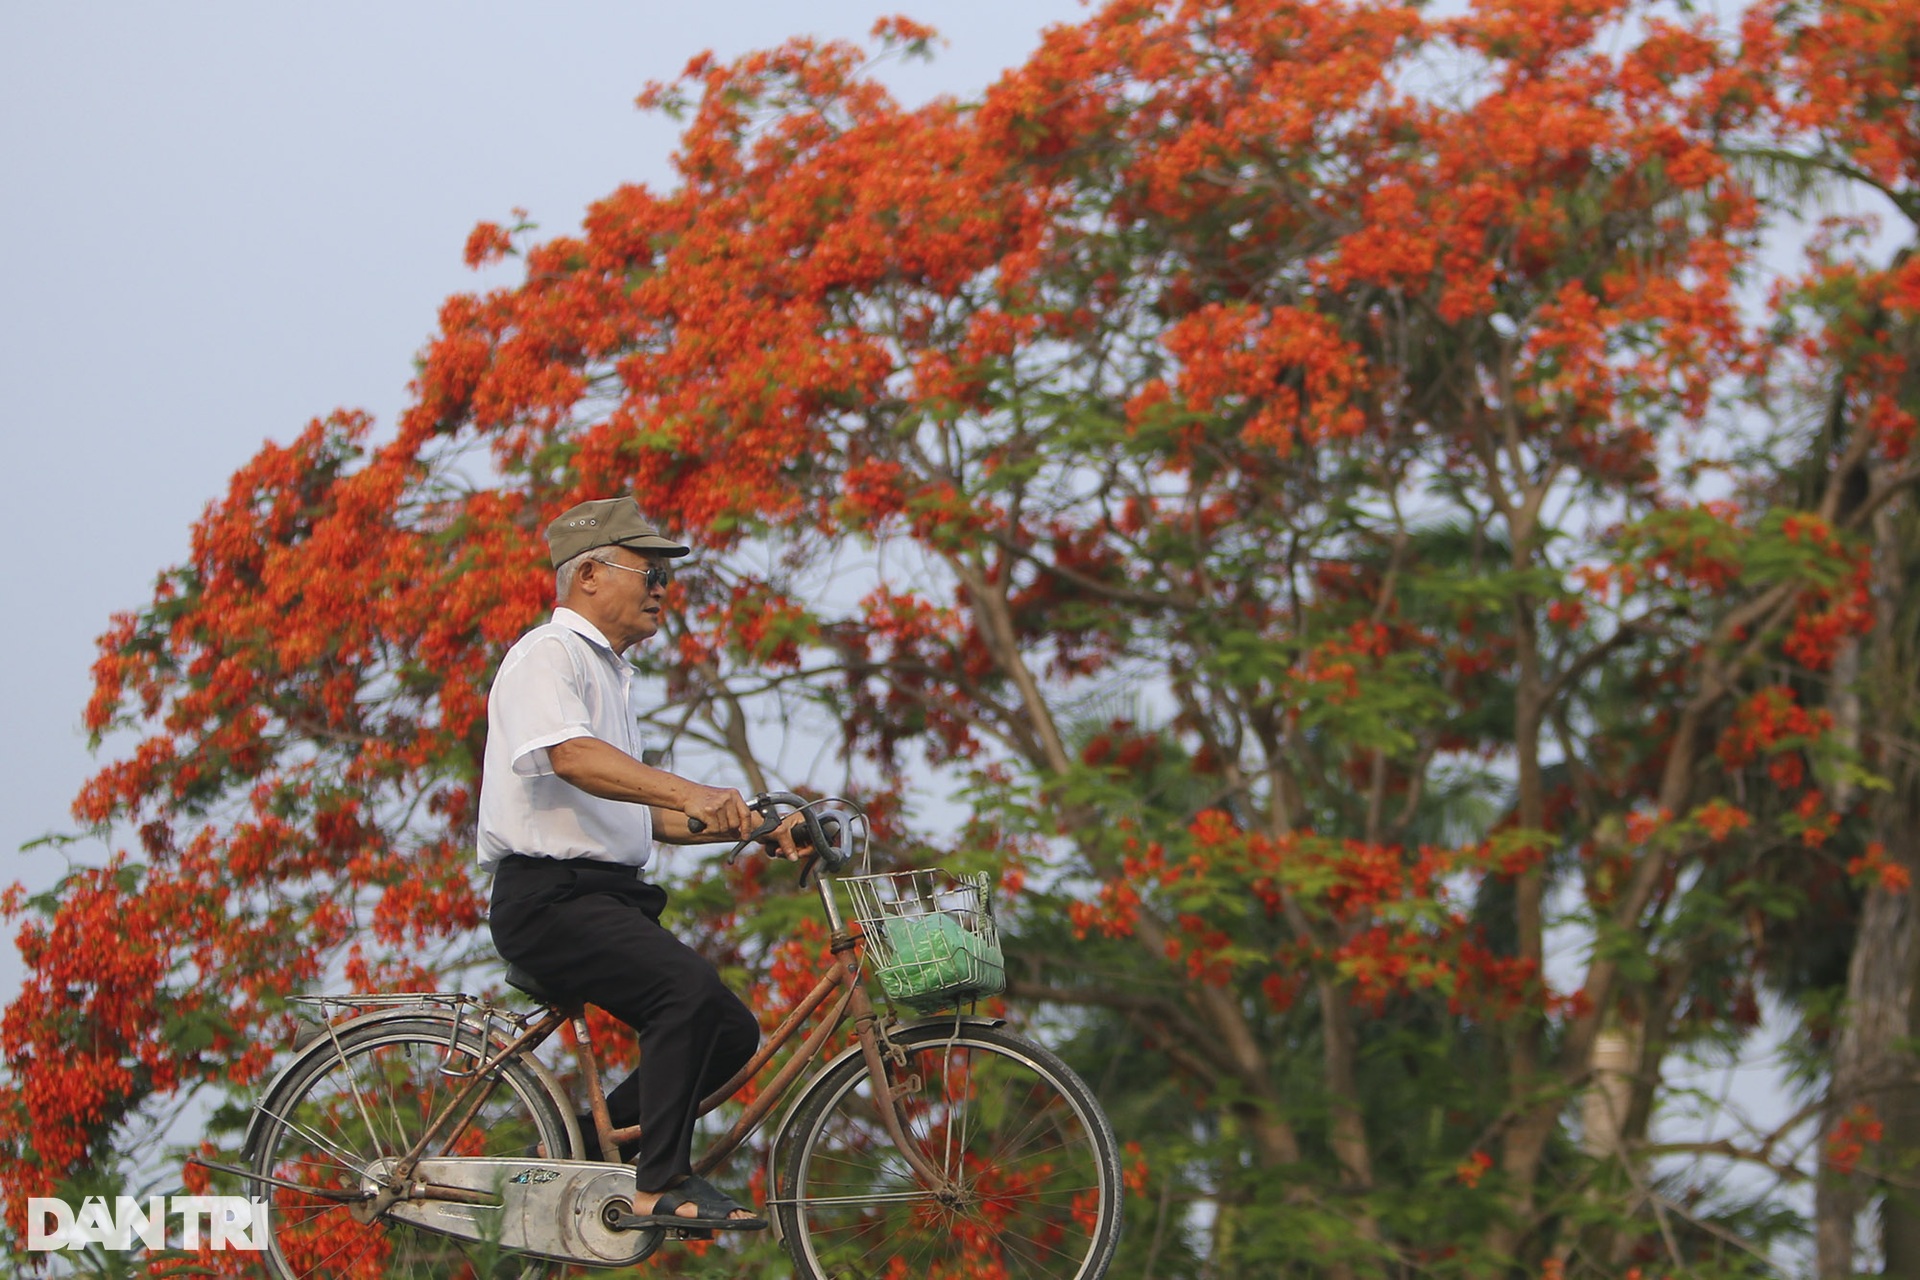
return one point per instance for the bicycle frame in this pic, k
(878, 1147)
(839, 986)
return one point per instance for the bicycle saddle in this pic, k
(520, 980)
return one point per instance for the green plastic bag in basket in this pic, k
(936, 960)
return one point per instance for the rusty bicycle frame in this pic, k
(839, 987)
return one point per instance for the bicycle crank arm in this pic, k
(566, 1210)
(624, 1220)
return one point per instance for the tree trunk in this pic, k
(1605, 1105)
(1866, 1065)
(1873, 1074)
(1896, 538)
(1899, 1154)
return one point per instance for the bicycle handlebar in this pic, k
(826, 834)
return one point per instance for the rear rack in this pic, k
(470, 1030)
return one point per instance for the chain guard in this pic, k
(556, 1209)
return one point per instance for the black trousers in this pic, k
(591, 931)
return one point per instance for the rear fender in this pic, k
(320, 1042)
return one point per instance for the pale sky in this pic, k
(221, 220)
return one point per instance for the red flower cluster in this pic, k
(1772, 725)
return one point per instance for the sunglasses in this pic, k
(658, 576)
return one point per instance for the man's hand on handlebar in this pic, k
(720, 813)
(709, 817)
(779, 843)
(802, 836)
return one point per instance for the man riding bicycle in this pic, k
(568, 820)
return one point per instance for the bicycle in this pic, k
(416, 1134)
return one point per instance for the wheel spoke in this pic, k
(876, 1198)
(369, 1099)
(1029, 1173)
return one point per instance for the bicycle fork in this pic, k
(878, 1053)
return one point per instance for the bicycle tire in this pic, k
(368, 1096)
(1039, 1190)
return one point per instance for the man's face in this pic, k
(631, 599)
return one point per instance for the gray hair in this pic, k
(563, 576)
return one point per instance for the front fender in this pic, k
(817, 1081)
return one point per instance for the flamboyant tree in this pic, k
(1848, 96)
(1309, 485)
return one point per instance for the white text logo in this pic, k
(229, 1222)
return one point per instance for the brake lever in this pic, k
(766, 827)
(816, 837)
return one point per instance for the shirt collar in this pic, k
(577, 623)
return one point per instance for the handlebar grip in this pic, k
(803, 834)
(824, 834)
(830, 828)
(694, 825)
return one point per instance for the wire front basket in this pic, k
(930, 936)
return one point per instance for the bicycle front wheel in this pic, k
(1030, 1169)
(330, 1121)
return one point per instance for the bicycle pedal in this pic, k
(621, 1220)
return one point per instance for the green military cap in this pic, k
(605, 522)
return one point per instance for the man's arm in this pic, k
(602, 769)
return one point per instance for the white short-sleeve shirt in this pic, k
(561, 680)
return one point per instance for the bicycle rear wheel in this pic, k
(1033, 1169)
(369, 1098)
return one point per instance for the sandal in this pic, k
(714, 1209)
